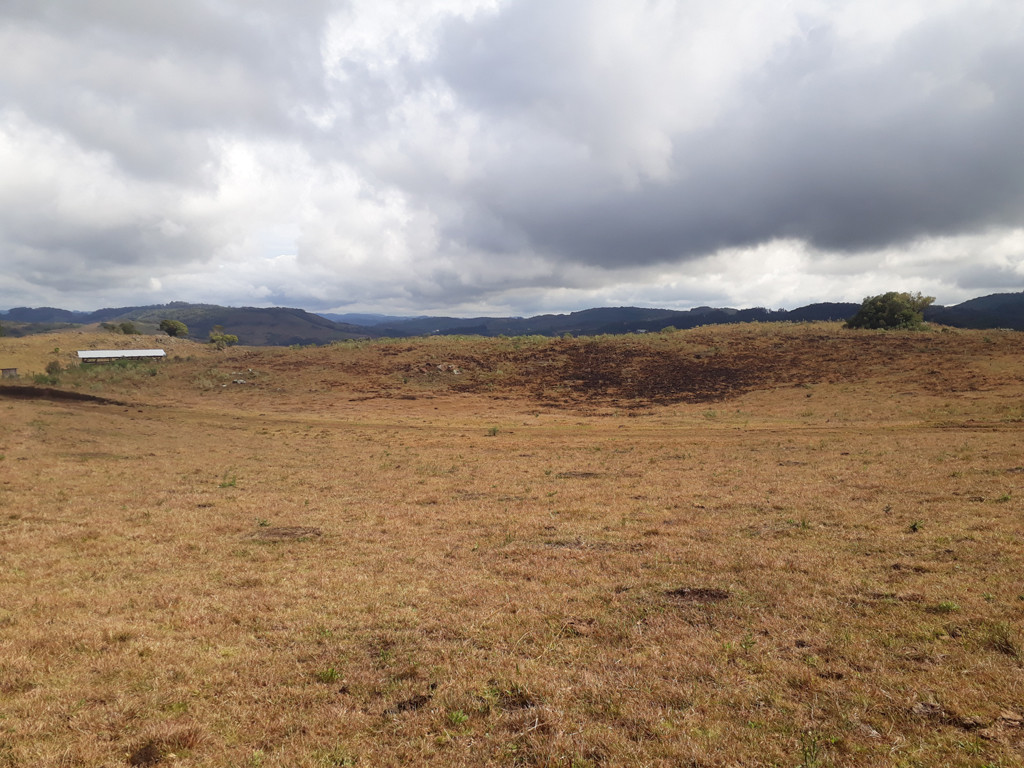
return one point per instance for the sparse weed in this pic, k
(457, 717)
(1000, 636)
(329, 675)
(338, 757)
(810, 750)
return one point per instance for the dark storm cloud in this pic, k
(847, 148)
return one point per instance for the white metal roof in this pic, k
(89, 354)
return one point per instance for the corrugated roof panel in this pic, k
(91, 354)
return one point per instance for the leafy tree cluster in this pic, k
(891, 311)
(127, 327)
(220, 339)
(174, 328)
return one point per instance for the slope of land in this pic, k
(747, 545)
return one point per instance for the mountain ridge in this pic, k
(285, 326)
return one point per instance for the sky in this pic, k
(509, 157)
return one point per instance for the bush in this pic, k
(890, 311)
(128, 328)
(220, 339)
(173, 327)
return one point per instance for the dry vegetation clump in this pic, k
(357, 557)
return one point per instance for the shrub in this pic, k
(128, 328)
(220, 339)
(173, 327)
(891, 310)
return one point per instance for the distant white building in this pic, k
(110, 355)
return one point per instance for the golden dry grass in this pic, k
(519, 552)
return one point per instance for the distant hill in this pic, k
(274, 326)
(42, 315)
(610, 320)
(281, 326)
(998, 310)
(368, 319)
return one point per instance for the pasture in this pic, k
(747, 545)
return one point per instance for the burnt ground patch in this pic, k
(698, 366)
(633, 372)
(698, 595)
(286, 533)
(613, 372)
(623, 372)
(21, 392)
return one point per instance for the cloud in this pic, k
(477, 155)
(849, 145)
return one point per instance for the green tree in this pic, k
(220, 339)
(892, 310)
(173, 327)
(128, 328)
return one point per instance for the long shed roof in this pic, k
(93, 354)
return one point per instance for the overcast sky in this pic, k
(508, 156)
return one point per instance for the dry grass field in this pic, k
(747, 545)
